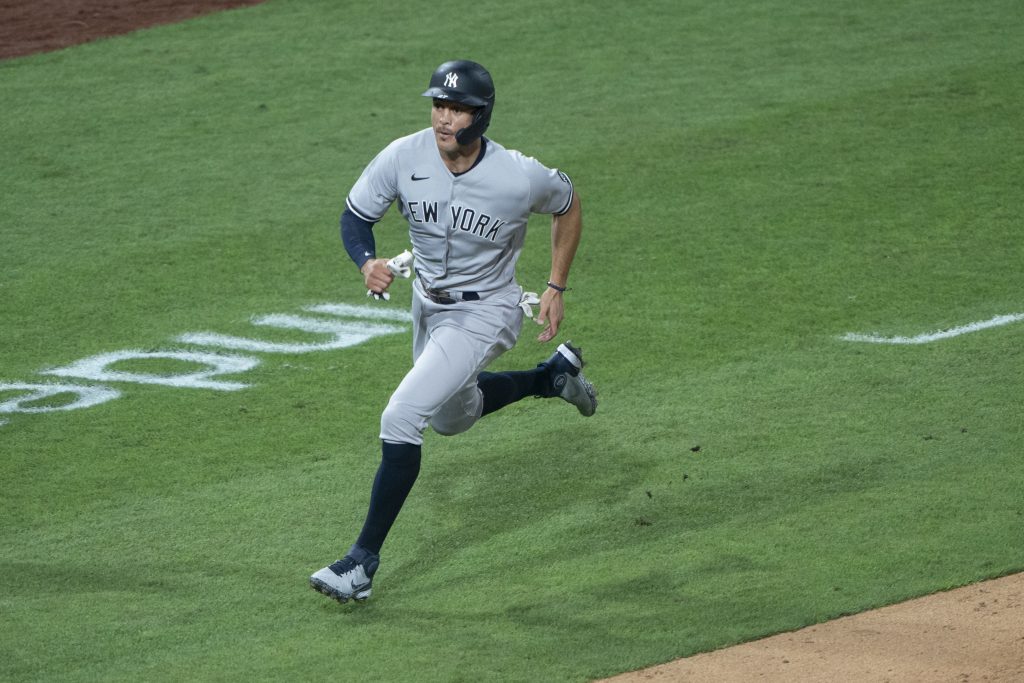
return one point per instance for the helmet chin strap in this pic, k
(481, 119)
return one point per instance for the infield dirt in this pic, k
(30, 26)
(974, 633)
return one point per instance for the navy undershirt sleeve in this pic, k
(357, 236)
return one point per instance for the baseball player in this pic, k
(467, 200)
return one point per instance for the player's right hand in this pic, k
(376, 275)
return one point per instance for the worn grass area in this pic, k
(758, 179)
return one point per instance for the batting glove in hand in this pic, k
(527, 301)
(400, 266)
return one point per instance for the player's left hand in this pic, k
(552, 312)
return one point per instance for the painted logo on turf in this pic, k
(343, 325)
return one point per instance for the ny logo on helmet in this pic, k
(451, 80)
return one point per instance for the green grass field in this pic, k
(758, 179)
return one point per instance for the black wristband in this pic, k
(555, 287)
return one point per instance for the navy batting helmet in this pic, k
(468, 83)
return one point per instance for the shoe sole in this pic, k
(590, 406)
(587, 388)
(321, 587)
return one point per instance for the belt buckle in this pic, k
(440, 296)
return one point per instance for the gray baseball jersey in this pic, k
(467, 230)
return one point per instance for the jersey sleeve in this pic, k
(550, 189)
(377, 187)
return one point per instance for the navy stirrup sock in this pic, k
(399, 467)
(502, 388)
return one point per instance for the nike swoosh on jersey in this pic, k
(426, 177)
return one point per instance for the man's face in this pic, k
(448, 118)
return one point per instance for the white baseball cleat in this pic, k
(350, 578)
(567, 380)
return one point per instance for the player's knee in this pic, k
(454, 417)
(401, 425)
(449, 426)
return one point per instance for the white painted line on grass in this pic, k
(98, 368)
(341, 334)
(936, 336)
(377, 312)
(345, 334)
(86, 396)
